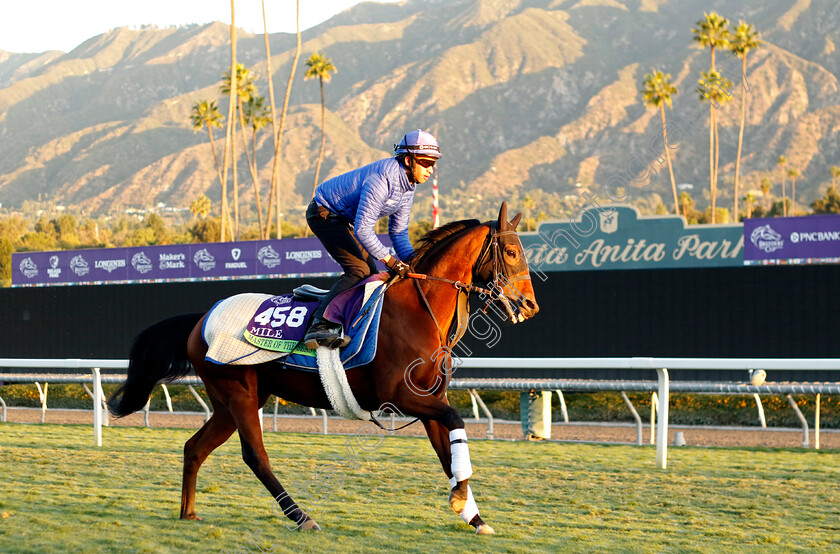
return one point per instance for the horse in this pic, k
(455, 260)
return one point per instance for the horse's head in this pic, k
(503, 268)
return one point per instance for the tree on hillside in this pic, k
(246, 90)
(206, 114)
(781, 162)
(711, 32)
(686, 202)
(320, 66)
(828, 204)
(835, 172)
(657, 92)
(528, 204)
(793, 174)
(743, 40)
(715, 89)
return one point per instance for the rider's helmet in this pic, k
(418, 143)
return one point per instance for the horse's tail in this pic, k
(159, 353)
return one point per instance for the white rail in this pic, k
(661, 365)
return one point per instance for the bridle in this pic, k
(490, 270)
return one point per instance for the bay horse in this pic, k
(459, 258)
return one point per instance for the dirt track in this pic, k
(613, 433)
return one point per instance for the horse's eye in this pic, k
(512, 253)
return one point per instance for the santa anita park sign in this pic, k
(616, 237)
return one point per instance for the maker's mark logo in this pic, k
(204, 260)
(766, 239)
(269, 257)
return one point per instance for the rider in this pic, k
(344, 213)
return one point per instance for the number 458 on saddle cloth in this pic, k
(279, 323)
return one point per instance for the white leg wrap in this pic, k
(470, 508)
(461, 466)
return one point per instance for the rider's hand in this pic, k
(397, 267)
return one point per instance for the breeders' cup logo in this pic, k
(54, 271)
(609, 221)
(141, 262)
(204, 260)
(766, 239)
(304, 256)
(269, 257)
(79, 266)
(28, 268)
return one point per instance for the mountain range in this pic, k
(524, 96)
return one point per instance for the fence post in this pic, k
(97, 406)
(662, 432)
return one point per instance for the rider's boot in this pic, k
(324, 332)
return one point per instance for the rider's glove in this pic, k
(398, 267)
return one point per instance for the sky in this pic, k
(41, 25)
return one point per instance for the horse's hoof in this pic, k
(457, 501)
(484, 529)
(309, 525)
(192, 516)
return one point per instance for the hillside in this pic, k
(523, 94)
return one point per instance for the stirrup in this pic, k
(325, 333)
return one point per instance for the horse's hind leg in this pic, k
(246, 414)
(212, 434)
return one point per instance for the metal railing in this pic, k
(661, 386)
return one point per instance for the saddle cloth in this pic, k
(359, 309)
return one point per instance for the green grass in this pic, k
(61, 494)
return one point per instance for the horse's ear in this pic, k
(515, 221)
(503, 220)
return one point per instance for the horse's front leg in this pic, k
(453, 451)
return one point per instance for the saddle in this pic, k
(252, 328)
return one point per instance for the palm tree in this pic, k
(320, 66)
(744, 40)
(278, 142)
(245, 89)
(528, 204)
(715, 89)
(206, 114)
(200, 207)
(256, 116)
(793, 174)
(750, 201)
(685, 201)
(658, 90)
(835, 172)
(711, 32)
(766, 187)
(230, 134)
(781, 162)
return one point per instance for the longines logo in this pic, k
(304, 256)
(109, 265)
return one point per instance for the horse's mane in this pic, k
(434, 236)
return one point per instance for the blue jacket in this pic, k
(365, 195)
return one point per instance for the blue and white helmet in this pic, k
(419, 143)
